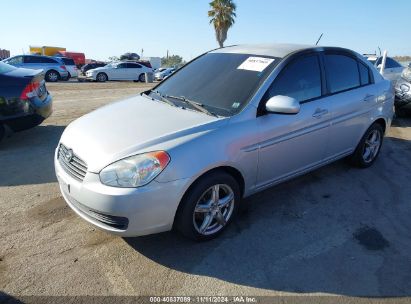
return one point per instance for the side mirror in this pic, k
(282, 105)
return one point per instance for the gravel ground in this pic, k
(338, 230)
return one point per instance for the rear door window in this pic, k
(301, 79)
(342, 72)
(133, 66)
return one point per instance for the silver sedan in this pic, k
(231, 123)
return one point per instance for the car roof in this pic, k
(273, 50)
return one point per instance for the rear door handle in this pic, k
(320, 113)
(368, 97)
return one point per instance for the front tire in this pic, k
(142, 78)
(208, 207)
(369, 147)
(101, 77)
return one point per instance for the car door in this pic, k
(293, 143)
(133, 71)
(118, 72)
(33, 62)
(351, 96)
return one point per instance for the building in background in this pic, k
(4, 54)
(45, 50)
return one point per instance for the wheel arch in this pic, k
(235, 173)
(102, 73)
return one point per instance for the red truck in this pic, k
(79, 58)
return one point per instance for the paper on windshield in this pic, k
(257, 64)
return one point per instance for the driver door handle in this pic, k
(320, 113)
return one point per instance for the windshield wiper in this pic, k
(163, 98)
(196, 105)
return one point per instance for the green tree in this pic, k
(222, 14)
(172, 61)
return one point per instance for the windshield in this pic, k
(5, 68)
(221, 82)
(111, 65)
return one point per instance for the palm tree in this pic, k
(222, 16)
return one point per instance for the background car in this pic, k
(403, 93)
(24, 99)
(393, 68)
(90, 66)
(71, 67)
(53, 67)
(119, 71)
(163, 73)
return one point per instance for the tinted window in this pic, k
(222, 82)
(133, 66)
(122, 65)
(301, 79)
(364, 74)
(342, 73)
(391, 63)
(68, 61)
(45, 60)
(31, 59)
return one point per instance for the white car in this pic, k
(163, 73)
(71, 67)
(393, 69)
(119, 71)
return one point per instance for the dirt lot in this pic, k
(338, 230)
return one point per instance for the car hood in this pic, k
(132, 126)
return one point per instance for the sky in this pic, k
(105, 28)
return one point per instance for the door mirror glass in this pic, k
(282, 105)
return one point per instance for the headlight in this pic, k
(406, 74)
(135, 171)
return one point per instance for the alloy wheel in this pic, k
(214, 209)
(371, 146)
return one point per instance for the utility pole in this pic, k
(167, 54)
(142, 52)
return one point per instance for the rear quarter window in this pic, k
(68, 61)
(342, 72)
(364, 74)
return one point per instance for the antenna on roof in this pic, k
(319, 39)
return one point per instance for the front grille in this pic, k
(71, 163)
(117, 222)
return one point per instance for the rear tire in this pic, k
(52, 76)
(142, 78)
(101, 77)
(203, 215)
(369, 147)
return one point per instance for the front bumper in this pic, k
(122, 211)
